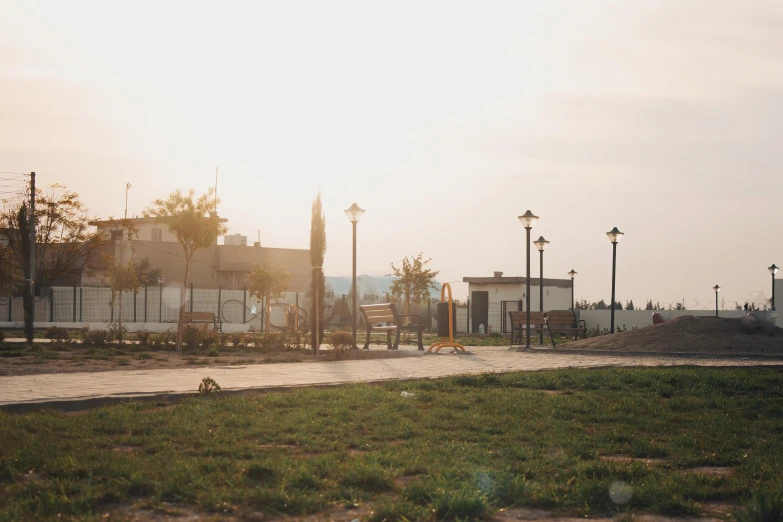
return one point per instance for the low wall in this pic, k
(132, 327)
(628, 319)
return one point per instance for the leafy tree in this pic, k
(147, 275)
(629, 305)
(680, 306)
(121, 278)
(190, 219)
(658, 306)
(317, 283)
(600, 305)
(413, 282)
(63, 240)
(650, 305)
(618, 305)
(269, 283)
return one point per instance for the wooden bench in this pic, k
(203, 318)
(376, 314)
(557, 321)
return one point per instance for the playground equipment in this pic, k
(446, 342)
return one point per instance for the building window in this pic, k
(157, 234)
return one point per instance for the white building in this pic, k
(491, 298)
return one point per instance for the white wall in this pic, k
(628, 319)
(555, 298)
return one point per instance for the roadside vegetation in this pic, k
(671, 441)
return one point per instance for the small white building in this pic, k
(491, 298)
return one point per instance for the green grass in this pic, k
(462, 448)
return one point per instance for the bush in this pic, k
(208, 386)
(116, 331)
(95, 337)
(57, 333)
(143, 336)
(342, 344)
(213, 352)
(273, 342)
(194, 337)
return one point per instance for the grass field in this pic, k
(462, 448)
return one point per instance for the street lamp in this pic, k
(572, 273)
(528, 219)
(160, 298)
(614, 236)
(354, 213)
(773, 270)
(717, 289)
(541, 244)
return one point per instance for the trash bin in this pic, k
(443, 319)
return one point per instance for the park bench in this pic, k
(555, 321)
(203, 318)
(375, 315)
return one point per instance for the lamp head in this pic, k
(773, 269)
(161, 280)
(615, 235)
(572, 273)
(716, 288)
(541, 243)
(354, 213)
(528, 219)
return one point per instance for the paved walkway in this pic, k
(32, 389)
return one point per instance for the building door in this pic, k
(479, 302)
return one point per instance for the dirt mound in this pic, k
(689, 334)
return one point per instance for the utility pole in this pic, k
(127, 187)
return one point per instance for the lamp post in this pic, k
(614, 236)
(773, 270)
(528, 219)
(572, 273)
(160, 299)
(717, 289)
(354, 213)
(541, 244)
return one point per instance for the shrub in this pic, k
(213, 352)
(143, 336)
(116, 331)
(57, 333)
(342, 343)
(273, 342)
(208, 386)
(95, 337)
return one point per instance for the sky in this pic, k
(444, 120)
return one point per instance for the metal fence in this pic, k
(157, 304)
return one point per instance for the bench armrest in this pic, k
(418, 317)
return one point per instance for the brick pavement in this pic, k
(31, 389)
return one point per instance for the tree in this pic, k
(317, 283)
(618, 305)
(63, 240)
(121, 278)
(650, 305)
(629, 305)
(147, 275)
(413, 282)
(680, 306)
(600, 305)
(190, 219)
(269, 283)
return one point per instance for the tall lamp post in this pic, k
(773, 270)
(572, 273)
(354, 214)
(528, 219)
(717, 289)
(541, 244)
(160, 299)
(614, 236)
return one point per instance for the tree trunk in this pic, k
(181, 323)
(268, 312)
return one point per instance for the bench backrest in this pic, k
(380, 313)
(555, 317)
(198, 316)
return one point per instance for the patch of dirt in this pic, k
(520, 513)
(690, 334)
(721, 471)
(76, 360)
(629, 459)
(126, 449)
(404, 481)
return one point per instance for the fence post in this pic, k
(10, 306)
(145, 304)
(74, 303)
(191, 297)
(220, 295)
(135, 293)
(81, 303)
(244, 304)
(429, 314)
(467, 326)
(51, 305)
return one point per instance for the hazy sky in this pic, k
(445, 120)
